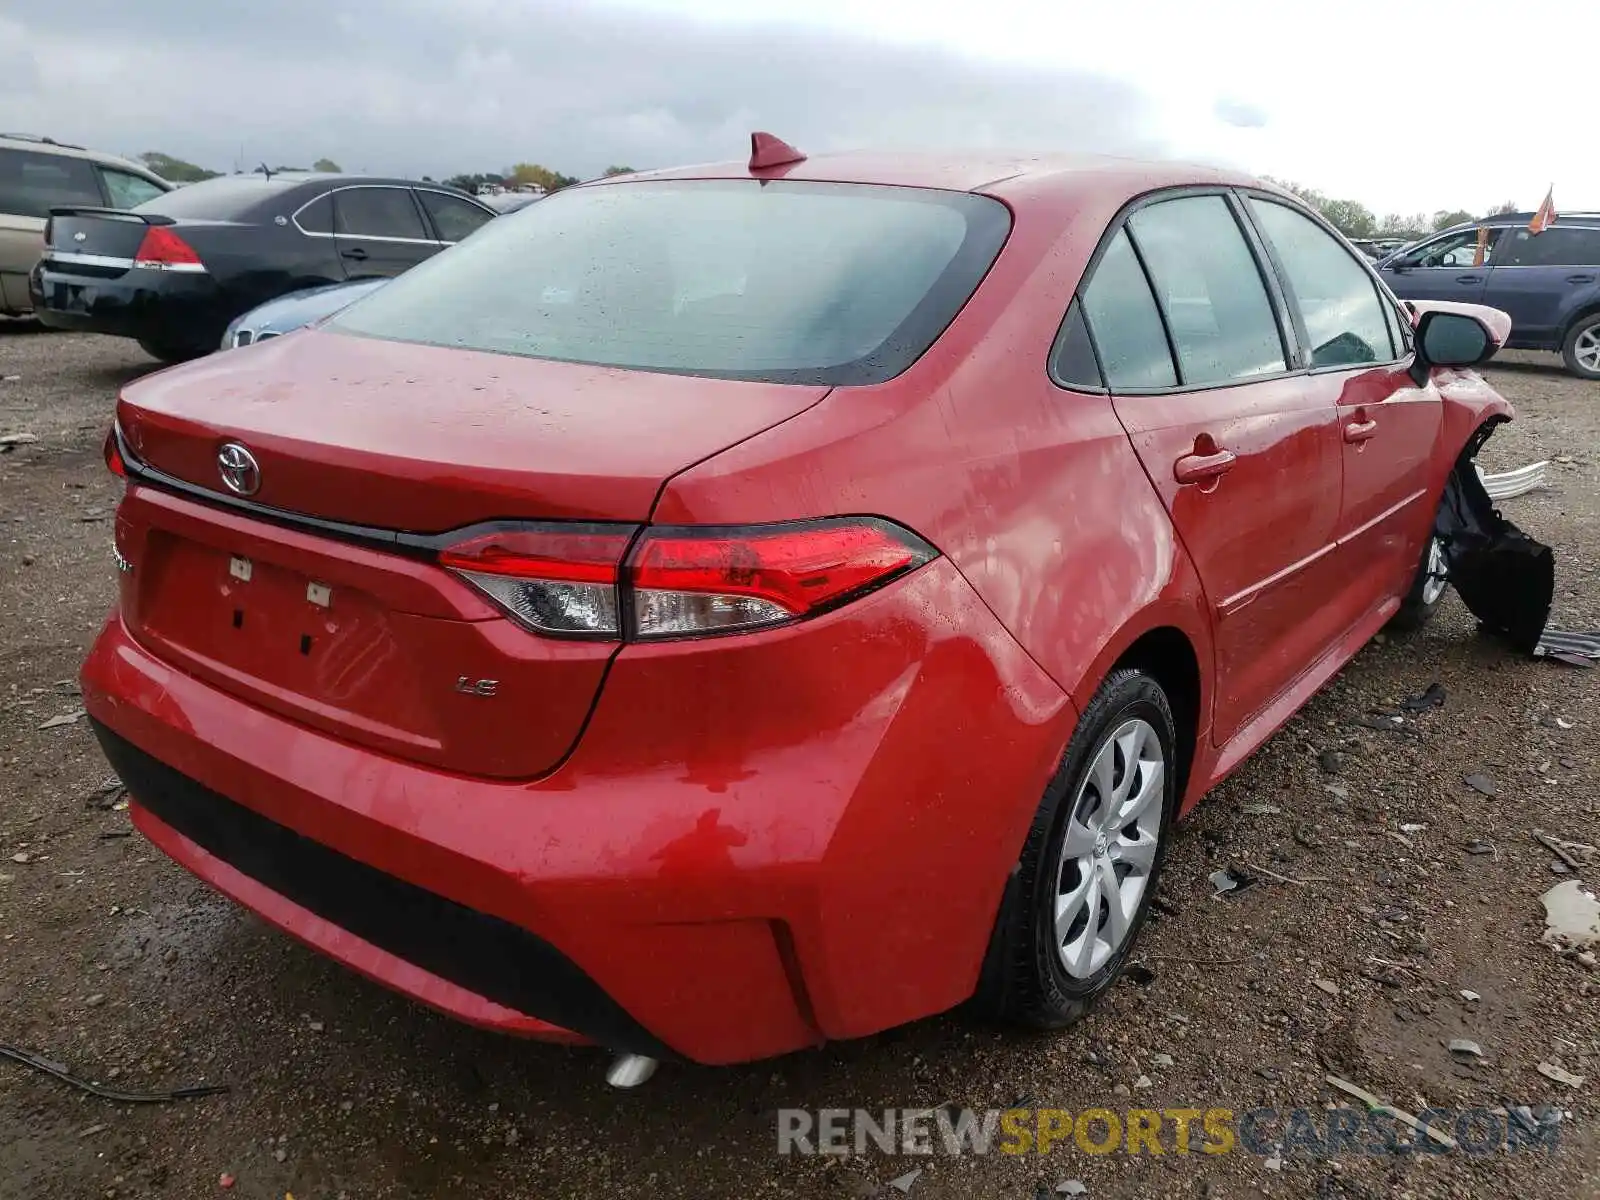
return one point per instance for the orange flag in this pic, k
(1546, 215)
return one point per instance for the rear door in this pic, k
(379, 231)
(1188, 331)
(1447, 268)
(1389, 428)
(1538, 276)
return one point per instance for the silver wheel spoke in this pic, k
(1108, 849)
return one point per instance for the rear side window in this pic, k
(31, 184)
(1557, 246)
(1337, 298)
(316, 217)
(1073, 361)
(784, 281)
(381, 212)
(453, 217)
(1124, 321)
(1210, 290)
(126, 189)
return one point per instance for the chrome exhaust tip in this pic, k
(630, 1070)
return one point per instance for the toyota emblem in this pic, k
(238, 469)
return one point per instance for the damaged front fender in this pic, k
(1505, 577)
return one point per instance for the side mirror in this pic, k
(1447, 339)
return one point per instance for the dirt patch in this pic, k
(123, 967)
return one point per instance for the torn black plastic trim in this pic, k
(1506, 578)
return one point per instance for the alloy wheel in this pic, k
(1109, 848)
(1586, 349)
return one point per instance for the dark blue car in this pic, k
(1549, 282)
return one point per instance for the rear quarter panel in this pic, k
(1033, 492)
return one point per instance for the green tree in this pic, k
(175, 170)
(1350, 218)
(611, 171)
(540, 176)
(1445, 218)
(327, 166)
(1505, 206)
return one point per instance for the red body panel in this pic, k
(754, 842)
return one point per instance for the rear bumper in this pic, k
(726, 868)
(165, 307)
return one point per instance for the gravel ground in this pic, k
(123, 967)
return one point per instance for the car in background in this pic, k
(174, 272)
(1548, 282)
(39, 173)
(294, 311)
(1376, 248)
(719, 611)
(510, 202)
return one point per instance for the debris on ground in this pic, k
(1375, 1105)
(1432, 697)
(1482, 784)
(1331, 761)
(1465, 1048)
(8, 440)
(1571, 916)
(1230, 881)
(1563, 1077)
(1260, 810)
(29, 1059)
(1326, 985)
(1574, 649)
(1503, 485)
(1469, 995)
(70, 718)
(1575, 854)
(1072, 1187)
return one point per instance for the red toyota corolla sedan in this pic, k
(727, 609)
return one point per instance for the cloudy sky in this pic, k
(1404, 107)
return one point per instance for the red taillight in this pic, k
(552, 580)
(164, 249)
(682, 582)
(689, 582)
(113, 453)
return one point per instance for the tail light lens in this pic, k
(682, 582)
(162, 249)
(553, 580)
(113, 455)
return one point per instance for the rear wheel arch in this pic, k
(1586, 310)
(1167, 654)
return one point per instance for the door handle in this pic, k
(1580, 278)
(1360, 431)
(1469, 278)
(1204, 468)
(357, 253)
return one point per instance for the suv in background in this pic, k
(37, 174)
(1549, 282)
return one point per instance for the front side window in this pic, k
(785, 281)
(1557, 246)
(1124, 321)
(1210, 290)
(32, 184)
(1460, 250)
(126, 189)
(453, 217)
(1338, 300)
(380, 212)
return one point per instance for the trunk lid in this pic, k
(426, 438)
(374, 647)
(98, 242)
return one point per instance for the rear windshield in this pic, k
(225, 199)
(779, 281)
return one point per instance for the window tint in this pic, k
(785, 281)
(31, 184)
(316, 217)
(1073, 361)
(1557, 246)
(1338, 300)
(1210, 290)
(453, 217)
(377, 212)
(128, 190)
(1123, 320)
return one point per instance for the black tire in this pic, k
(1418, 608)
(1024, 981)
(1589, 325)
(171, 354)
